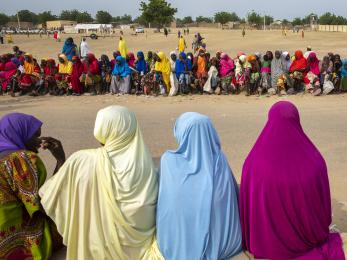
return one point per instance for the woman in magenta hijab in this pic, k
(285, 204)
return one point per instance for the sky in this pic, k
(279, 9)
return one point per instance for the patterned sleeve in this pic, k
(26, 180)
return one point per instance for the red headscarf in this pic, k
(299, 63)
(92, 66)
(313, 63)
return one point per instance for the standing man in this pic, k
(166, 32)
(1, 36)
(84, 48)
(243, 32)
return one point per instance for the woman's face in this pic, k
(61, 60)
(34, 143)
(277, 54)
(173, 57)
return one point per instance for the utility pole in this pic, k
(264, 22)
(18, 21)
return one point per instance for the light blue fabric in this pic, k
(122, 70)
(343, 69)
(197, 212)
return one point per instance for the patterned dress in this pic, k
(25, 230)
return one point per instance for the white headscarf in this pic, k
(103, 200)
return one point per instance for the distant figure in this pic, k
(302, 34)
(179, 34)
(188, 31)
(28, 34)
(182, 45)
(166, 32)
(243, 32)
(55, 35)
(84, 48)
(9, 38)
(1, 37)
(308, 52)
(122, 47)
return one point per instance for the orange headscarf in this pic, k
(29, 67)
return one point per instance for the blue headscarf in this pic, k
(122, 69)
(180, 67)
(69, 49)
(141, 65)
(16, 129)
(197, 211)
(343, 69)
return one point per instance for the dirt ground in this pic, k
(238, 119)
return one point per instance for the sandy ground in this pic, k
(238, 119)
(229, 41)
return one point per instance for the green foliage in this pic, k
(125, 19)
(225, 17)
(4, 19)
(70, 15)
(268, 19)
(26, 16)
(187, 20)
(202, 19)
(157, 12)
(255, 18)
(297, 22)
(46, 16)
(332, 19)
(103, 17)
(84, 18)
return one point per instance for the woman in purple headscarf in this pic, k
(25, 231)
(285, 204)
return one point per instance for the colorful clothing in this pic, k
(280, 214)
(164, 66)
(122, 48)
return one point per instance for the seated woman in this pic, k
(31, 75)
(63, 77)
(265, 84)
(343, 87)
(76, 86)
(173, 78)
(106, 73)
(297, 72)
(104, 200)
(141, 70)
(312, 79)
(254, 76)
(285, 204)
(120, 83)
(162, 68)
(26, 232)
(212, 82)
(131, 59)
(197, 212)
(183, 70)
(91, 78)
(226, 72)
(7, 76)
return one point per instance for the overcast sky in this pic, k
(277, 8)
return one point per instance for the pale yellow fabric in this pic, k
(103, 200)
(181, 45)
(122, 47)
(164, 66)
(66, 67)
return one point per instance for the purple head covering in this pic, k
(16, 61)
(285, 205)
(16, 129)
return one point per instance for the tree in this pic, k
(268, 19)
(27, 16)
(285, 22)
(157, 12)
(255, 18)
(103, 17)
(46, 16)
(84, 18)
(4, 19)
(297, 21)
(201, 19)
(187, 20)
(224, 17)
(126, 19)
(329, 18)
(70, 15)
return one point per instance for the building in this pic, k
(59, 24)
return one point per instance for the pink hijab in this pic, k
(313, 63)
(226, 65)
(285, 205)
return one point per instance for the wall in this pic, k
(332, 28)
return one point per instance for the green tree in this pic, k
(202, 19)
(4, 19)
(26, 16)
(285, 22)
(157, 12)
(103, 17)
(70, 15)
(187, 19)
(224, 17)
(46, 16)
(84, 18)
(126, 19)
(255, 18)
(297, 21)
(268, 19)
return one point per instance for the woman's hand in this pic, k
(55, 147)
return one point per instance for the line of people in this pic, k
(111, 203)
(180, 73)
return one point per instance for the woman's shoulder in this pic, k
(82, 156)
(19, 155)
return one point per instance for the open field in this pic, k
(238, 119)
(229, 41)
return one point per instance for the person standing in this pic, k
(243, 32)
(122, 46)
(69, 48)
(181, 44)
(1, 36)
(84, 47)
(166, 32)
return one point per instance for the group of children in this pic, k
(180, 73)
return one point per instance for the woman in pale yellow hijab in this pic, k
(163, 66)
(181, 45)
(122, 47)
(103, 200)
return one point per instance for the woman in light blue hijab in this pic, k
(197, 212)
